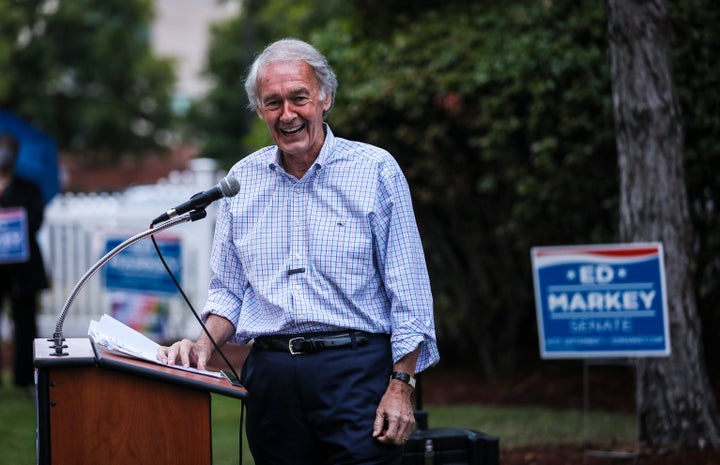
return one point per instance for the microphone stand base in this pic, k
(58, 346)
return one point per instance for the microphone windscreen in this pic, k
(229, 186)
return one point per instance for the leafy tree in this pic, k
(83, 71)
(500, 117)
(696, 44)
(9, 21)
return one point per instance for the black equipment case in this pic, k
(447, 446)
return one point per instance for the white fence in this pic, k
(74, 238)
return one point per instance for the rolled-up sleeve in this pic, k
(228, 280)
(404, 271)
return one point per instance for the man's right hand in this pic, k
(186, 353)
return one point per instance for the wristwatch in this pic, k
(404, 377)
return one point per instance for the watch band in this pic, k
(404, 377)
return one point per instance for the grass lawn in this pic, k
(515, 426)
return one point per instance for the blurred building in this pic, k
(182, 31)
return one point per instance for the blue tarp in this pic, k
(38, 159)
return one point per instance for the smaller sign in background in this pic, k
(601, 300)
(146, 313)
(138, 268)
(140, 287)
(14, 240)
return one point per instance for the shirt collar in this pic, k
(327, 150)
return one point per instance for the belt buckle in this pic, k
(290, 345)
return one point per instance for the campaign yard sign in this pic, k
(14, 241)
(138, 268)
(601, 300)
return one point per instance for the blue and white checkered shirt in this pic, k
(338, 249)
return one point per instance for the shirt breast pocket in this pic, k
(343, 248)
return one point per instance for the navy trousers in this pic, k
(317, 408)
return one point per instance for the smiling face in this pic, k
(292, 108)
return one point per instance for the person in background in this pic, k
(21, 282)
(319, 262)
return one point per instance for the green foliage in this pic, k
(697, 77)
(501, 118)
(9, 21)
(83, 71)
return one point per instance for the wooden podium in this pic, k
(95, 407)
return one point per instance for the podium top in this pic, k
(82, 352)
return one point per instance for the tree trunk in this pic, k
(676, 405)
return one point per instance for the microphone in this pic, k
(227, 187)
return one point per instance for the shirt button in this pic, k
(297, 190)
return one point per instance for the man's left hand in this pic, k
(394, 420)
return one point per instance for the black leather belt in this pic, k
(297, 345)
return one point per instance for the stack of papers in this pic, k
(120, 338)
